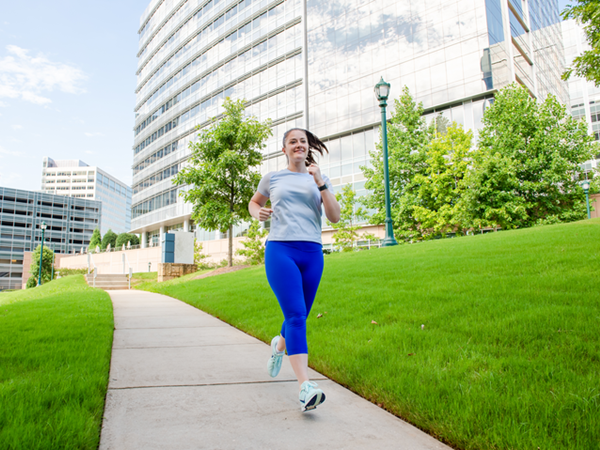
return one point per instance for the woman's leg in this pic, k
(286, 282)
(299, 362)
(294, 275)
(311, 269)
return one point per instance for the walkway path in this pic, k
(182, 379)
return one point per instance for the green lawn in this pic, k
(145, 276)
(509, 355)
(55, 346)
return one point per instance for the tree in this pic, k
(254, 247)
(587, 14)
(408, 137)
(124, 238)
(350, 214)
(95, 240)
(526, 167)
(34, 268)
(438, 208)
(109, 238)
(223, 170)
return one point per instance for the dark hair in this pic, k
(314, 143)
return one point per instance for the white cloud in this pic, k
(28, 77)
(4, 152)
(3, 105)
(17, 127)
(89, 152)
(94, 134)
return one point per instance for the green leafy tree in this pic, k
(254, 247)
(109, 238)
(408, 137)
(34, 268)
(350, 215)
(587, 14)
(526, 167)
(124, 238)
(223, 172)
(95, 240)
(438, 208)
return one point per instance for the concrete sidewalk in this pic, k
(182, 379)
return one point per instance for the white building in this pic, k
(584, 96)
(74, 178)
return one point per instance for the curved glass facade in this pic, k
(313, 63)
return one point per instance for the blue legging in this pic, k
(294, 272)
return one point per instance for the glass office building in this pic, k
(70, 223)
(584, 96)
(313, 64)
(74, 178)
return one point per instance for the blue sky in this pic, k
(67, 81)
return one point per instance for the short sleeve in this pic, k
(265, 185)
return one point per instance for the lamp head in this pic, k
(382, 90)
(585, 184)
(43, 226)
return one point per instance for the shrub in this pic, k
(254, 250)
(124, 238)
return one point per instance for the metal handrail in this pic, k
(125, 258)
(95, 271)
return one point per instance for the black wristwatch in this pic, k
(322, 188)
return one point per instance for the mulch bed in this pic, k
(221, 271)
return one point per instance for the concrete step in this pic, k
(108, 281)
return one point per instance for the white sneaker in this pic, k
(310, 396)
(274, 363)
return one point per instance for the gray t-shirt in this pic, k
(296, 204)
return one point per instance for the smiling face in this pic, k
(296, 146)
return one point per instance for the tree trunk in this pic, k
(230, 256)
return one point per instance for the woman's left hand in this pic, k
(314, 170)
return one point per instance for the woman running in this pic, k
(293, 254)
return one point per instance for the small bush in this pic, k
(254, 250)
(31, 282)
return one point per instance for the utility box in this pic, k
(168, 248)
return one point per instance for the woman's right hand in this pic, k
(264, 214)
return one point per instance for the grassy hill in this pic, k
(487, 341)
(55, 344)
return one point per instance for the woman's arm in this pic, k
(257, 209)
(331, 205)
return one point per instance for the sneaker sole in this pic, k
(313, 402)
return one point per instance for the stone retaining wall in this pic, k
(168, 271)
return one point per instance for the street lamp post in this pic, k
(585, 184)
(382, 91)
(43, 228)
(53, 255)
